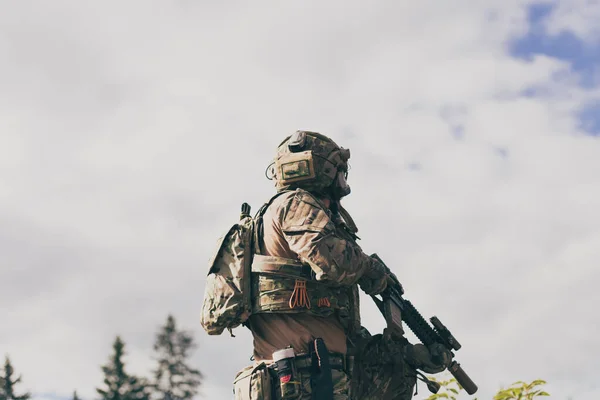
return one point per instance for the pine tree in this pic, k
(75, 397)
(174, 378)
(7, 384)
(119, 384)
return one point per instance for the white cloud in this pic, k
(579, 17)
(133, 132)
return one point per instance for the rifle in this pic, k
(395, 309)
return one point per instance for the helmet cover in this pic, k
(313, 162)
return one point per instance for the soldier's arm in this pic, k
(311, 234)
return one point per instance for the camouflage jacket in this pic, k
(310, 261)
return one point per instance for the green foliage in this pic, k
(119, 384)
(75, 397)
(449, 389)
(174, 378)
(522, 391)
(7, 383)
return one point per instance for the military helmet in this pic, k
(313, 162)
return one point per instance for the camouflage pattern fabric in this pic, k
(379, 371)
(333, 255)
(340, 386)
(273, 293)
(252, 384)
(326, 159)
(227, 293)
(311, 233)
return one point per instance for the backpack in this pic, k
(227, 295)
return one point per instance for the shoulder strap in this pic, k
(258, 218)
(348, 219)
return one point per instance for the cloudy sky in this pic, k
(131, 132)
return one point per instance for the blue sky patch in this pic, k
(589, 118)
(583, 57)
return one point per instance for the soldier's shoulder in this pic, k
(303, 196)
(304, 211)
(292, 198)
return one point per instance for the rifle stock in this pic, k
(396, 309)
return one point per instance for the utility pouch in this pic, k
(287, 374)
(253, 383)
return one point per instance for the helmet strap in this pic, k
(347, 218)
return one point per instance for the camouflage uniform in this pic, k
(300, 290)
(306, 275)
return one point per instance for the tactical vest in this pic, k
(283, 285)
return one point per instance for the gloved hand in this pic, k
(375, 279)
(432, 360)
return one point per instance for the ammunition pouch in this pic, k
(254, 383)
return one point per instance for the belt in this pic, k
(304, 361)
(337, 361)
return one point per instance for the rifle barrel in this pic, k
(461, 377)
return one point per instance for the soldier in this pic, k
(306, 273)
